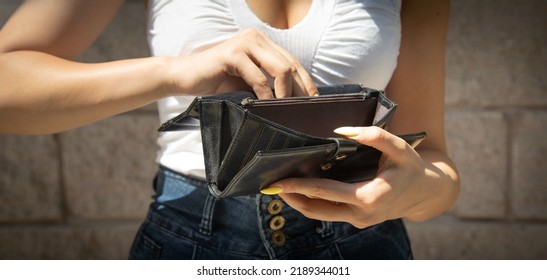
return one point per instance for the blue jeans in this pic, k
(186, 222)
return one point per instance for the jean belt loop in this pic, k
(206, 226)
(327, 229)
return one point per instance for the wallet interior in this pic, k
(321, 118)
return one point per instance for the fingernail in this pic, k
(347, 131)
(272, 190)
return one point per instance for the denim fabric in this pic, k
(186, 222)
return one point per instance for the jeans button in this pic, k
(278, 238)
(275, 206)
(277, 222)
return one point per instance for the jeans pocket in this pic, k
(385, 241)
(144, 247)
(154, 242)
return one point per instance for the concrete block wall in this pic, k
(82, 194)
(497, 131)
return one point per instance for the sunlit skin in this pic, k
(40, 80)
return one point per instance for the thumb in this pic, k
(378, 138)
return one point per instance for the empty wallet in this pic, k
(249, 143)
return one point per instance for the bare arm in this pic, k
(417, 185)
(418, 85)
(42, 90)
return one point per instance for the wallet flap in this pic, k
(384, 111)
(347, 162)
(190, 119)
(267, 167)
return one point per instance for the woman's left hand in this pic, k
(403, 183)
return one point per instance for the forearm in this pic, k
(43, 94)
(444, 189)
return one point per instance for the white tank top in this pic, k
(338, 42)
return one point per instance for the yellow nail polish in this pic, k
(347, 131)
(271, 190)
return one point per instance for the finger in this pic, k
(245, 68)
(319, 209)
(276, 66)
(329, 190)
(298, 88)
(378, 138)
(303, 83)
(283, 86)
(249, 54)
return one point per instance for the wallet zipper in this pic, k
(249, 101)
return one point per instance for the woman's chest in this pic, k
(336, 41)
(280, 14)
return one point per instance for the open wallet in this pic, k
(249, 143)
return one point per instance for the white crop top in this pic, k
(338, 42)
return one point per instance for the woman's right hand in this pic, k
(45, 90)
(246, 59)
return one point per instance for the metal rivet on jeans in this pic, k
(275, 206)
(277, 222)
(278, 238)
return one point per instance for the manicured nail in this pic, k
(347, 131)
(272, 190)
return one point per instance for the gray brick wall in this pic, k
(61, 199)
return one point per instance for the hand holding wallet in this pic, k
(250, 143)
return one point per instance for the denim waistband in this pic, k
(247, 225)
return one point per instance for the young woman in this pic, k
(209, 47)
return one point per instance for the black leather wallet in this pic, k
(249, 143)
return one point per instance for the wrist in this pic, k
(441, 190)
(180, 76)
(168, 76)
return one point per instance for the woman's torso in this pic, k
(337, 42)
